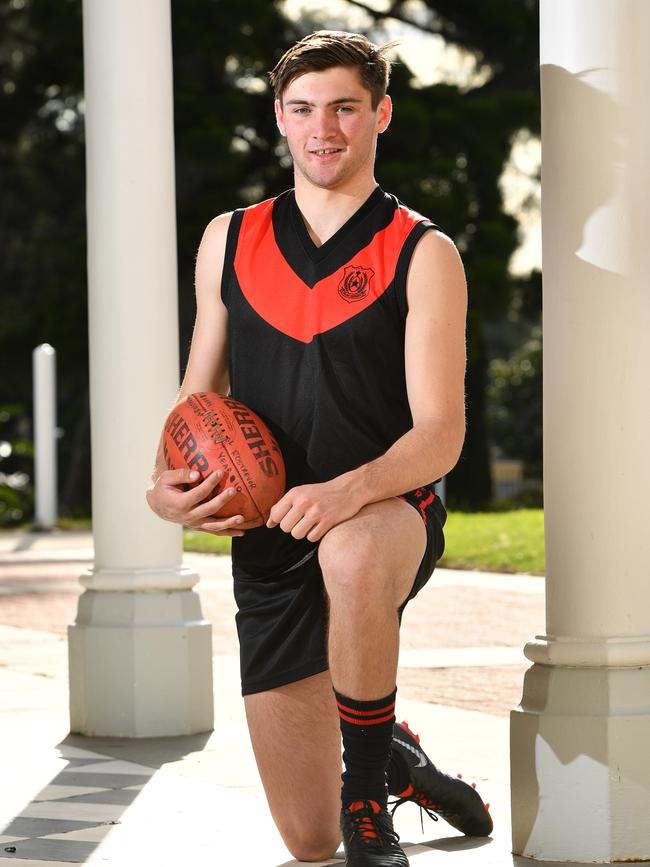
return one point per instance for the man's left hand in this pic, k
(309, 511)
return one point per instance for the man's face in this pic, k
(330, 125)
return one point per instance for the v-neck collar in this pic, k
(316, 253)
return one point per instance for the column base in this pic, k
(580, 767)
(140, 665)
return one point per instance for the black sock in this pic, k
(367, 730)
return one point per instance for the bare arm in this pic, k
(435, 372)
(207, 370)
(435, 375)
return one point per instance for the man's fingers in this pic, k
(178, 477)
(278, 512)
(202, 491)
(302, 527)
(214, 505)
(225, 526)
(317, 532)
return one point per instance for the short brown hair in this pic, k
(327, 48)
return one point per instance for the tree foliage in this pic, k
(516, 403)
(42, 214)
(443, 156)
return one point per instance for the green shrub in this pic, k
(16, 466)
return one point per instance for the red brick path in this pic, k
(37, 592)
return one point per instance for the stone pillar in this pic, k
(579, 749)
(140, 650)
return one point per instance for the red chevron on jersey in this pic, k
(286, 302)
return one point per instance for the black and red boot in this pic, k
(369, 838)
(420, 781)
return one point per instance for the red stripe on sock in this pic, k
(366, 722)
(389, 707)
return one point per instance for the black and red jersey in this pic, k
(316, 342)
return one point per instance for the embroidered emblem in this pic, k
(355, 284)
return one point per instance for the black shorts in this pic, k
(282, 618)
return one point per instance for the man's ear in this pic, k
(384, 114)
(279, 116)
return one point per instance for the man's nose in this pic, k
(324, 124)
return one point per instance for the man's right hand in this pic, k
(195, 507)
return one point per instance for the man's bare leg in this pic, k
(366, 589)
(369, 565)
(297, 743)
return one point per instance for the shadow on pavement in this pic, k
(76, 810)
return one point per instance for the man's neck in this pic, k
(325, 211)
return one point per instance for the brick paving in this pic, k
(39, 588)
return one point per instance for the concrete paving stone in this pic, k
(85, 835)
(448, 657)
(24, 636)
(70, 752)
(84, 763)
(46, 657)
(121, 797)
(519, 581)
(30, 862)
(98, 780)
(23, 682)
(79, 811)
(111, 766)
(48, 850)
(54, 792)
(33, 827)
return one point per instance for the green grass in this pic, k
(74, 523)
(510, 541)
(492, 541)
(205, 543)
(495, 541)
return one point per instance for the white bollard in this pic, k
(45, 433)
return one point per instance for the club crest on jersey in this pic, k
(355, 284)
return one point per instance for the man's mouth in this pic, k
(323, 152)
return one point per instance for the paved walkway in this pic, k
(198, 800)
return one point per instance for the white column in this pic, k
(140, 650)
(45, 468)
(579, 753)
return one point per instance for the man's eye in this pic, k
(302, 110)
(345, 108)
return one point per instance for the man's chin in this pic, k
(325, 180)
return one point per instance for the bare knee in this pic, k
(317, 846)
(351, 566)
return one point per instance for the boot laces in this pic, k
(371, 828)
(426, 806)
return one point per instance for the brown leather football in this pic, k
(207, 431)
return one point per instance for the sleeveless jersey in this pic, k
(316, 344)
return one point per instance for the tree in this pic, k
(42, 214)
